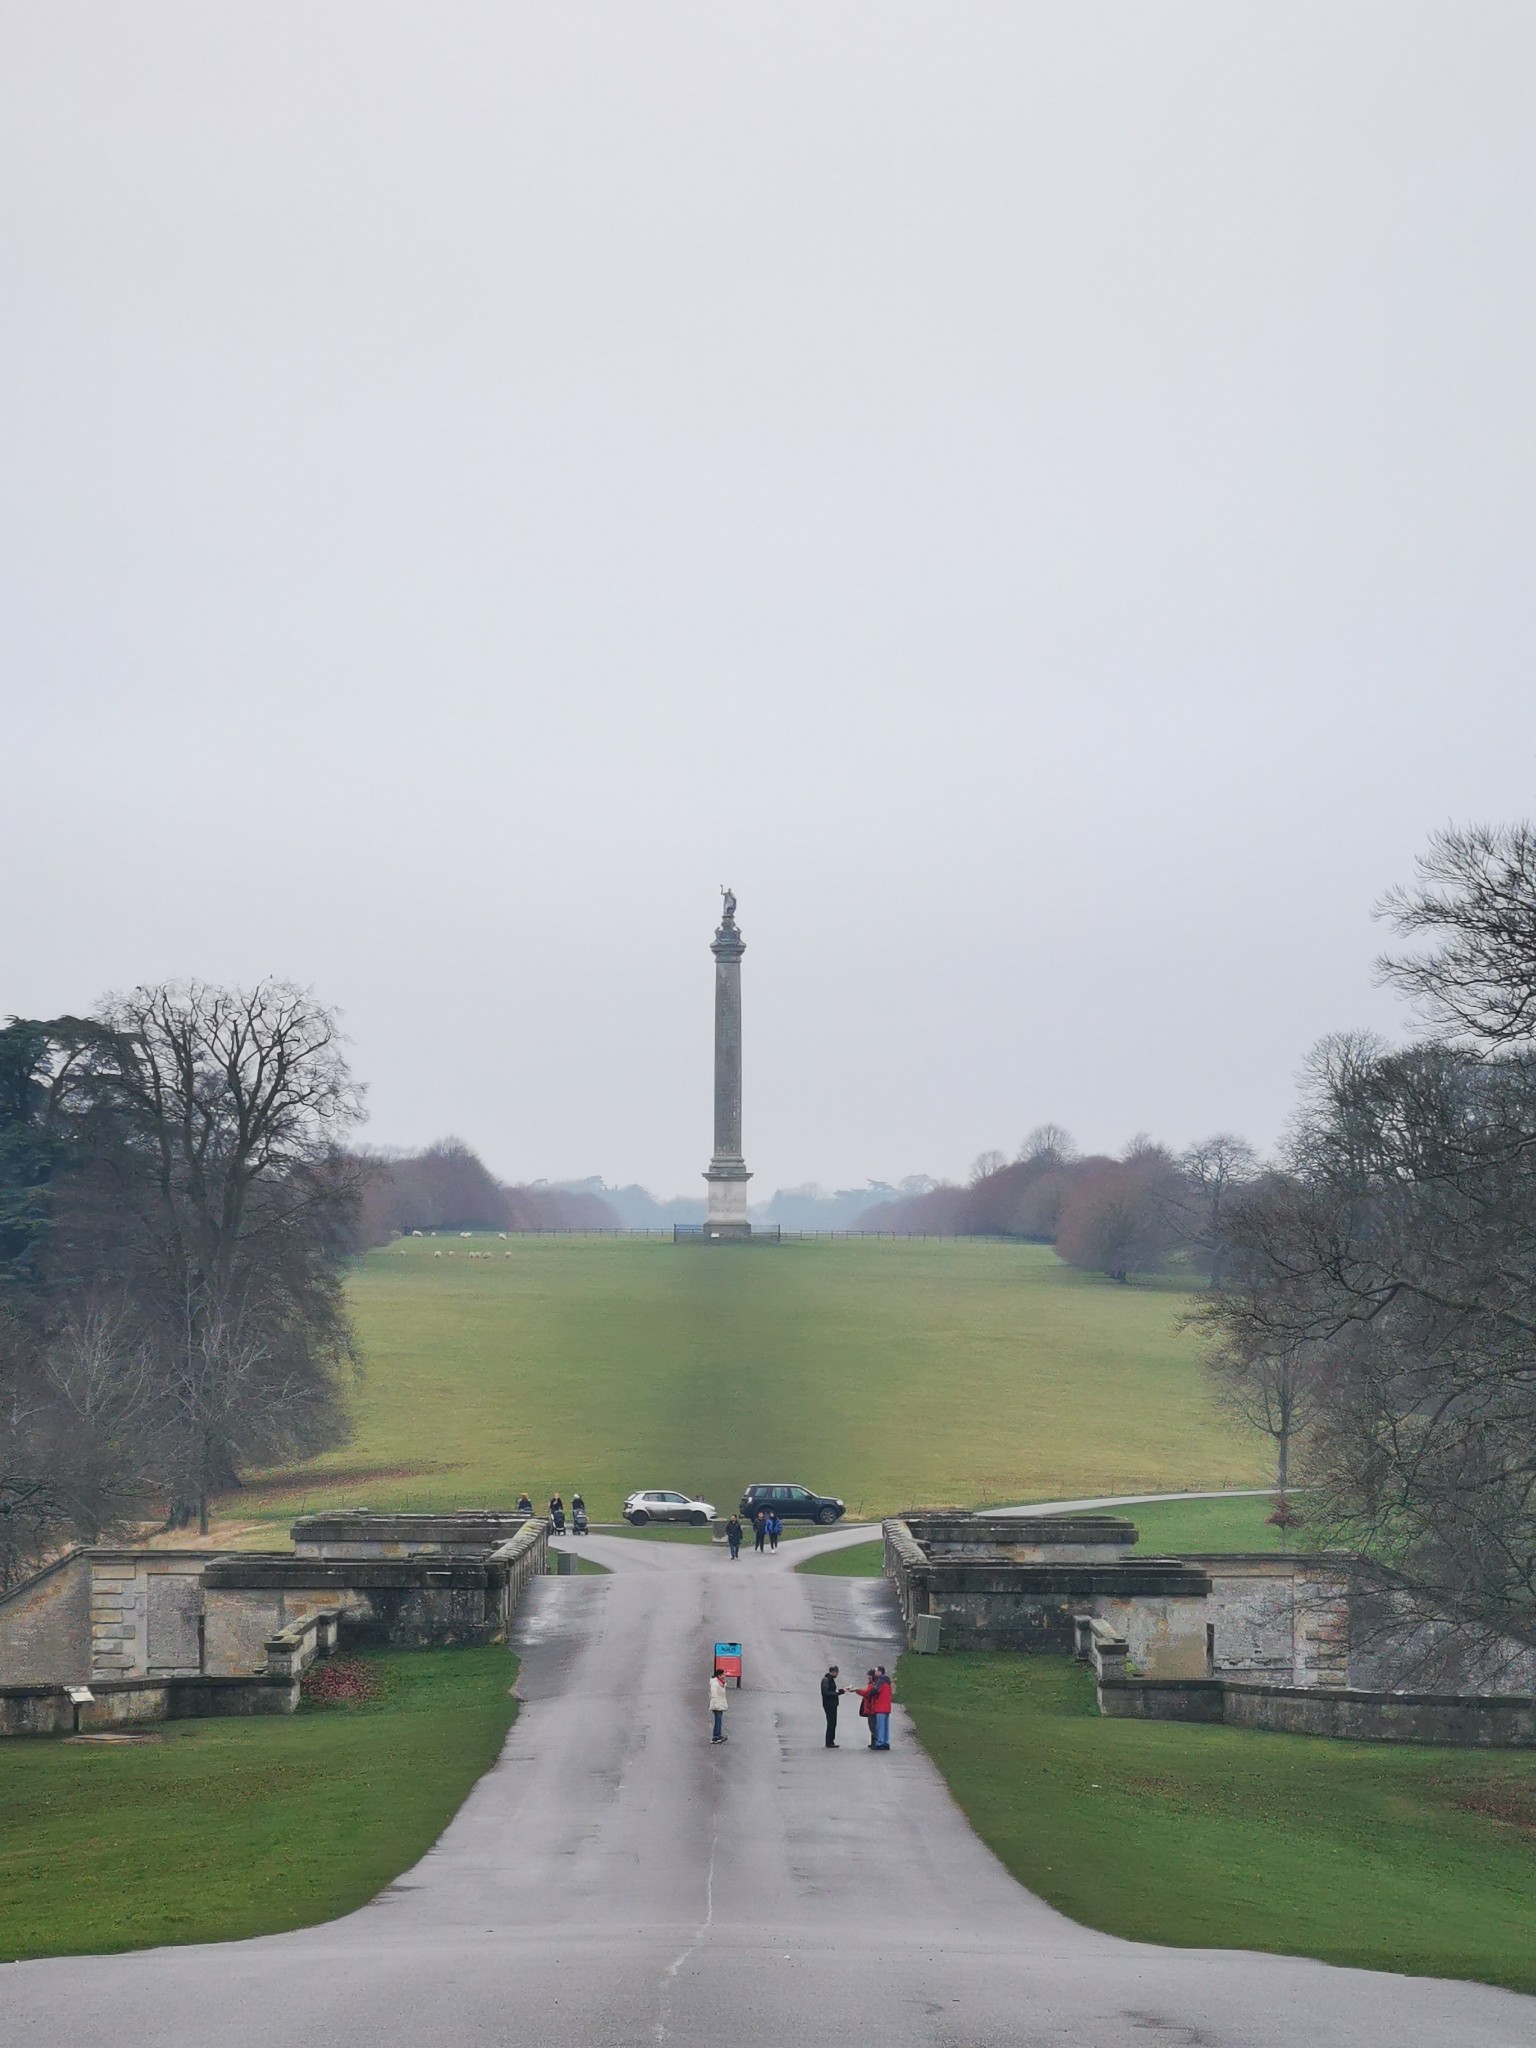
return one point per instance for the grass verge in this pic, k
(857, 1561)
(1379, 1856)
(248, 1826)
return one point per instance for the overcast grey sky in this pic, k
(1039, 498)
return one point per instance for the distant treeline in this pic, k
(1144, 1212)
(449, 1187)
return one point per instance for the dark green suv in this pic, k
(791, 1504)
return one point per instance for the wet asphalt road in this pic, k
(616, 1882)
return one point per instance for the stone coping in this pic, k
(1123, 1682)
(353, 1523)
(944, 1525)
(1124, 1578)
(249, 1571)
(1361, 1696)
(222, 1681)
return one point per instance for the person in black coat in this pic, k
(831, 1692)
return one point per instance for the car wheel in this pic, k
(638, 1519)
(699, 1521)
(826, 1516)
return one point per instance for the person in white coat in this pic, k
(717, 1705)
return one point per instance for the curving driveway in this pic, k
(615, 1882)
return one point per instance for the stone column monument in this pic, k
(728, 1175)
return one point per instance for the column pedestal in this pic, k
(727, 1200)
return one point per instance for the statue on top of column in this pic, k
(729, 896)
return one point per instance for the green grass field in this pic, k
(1165, 1526)
(231, 1828)
(1382, 1856)
(1169, 1527)
(888, 1372)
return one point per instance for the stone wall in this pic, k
(523, 1557)
(1018, 1595)
(1279, 1618)
(131, 1702)
(118, 1618)
(146, 1611)
(45, 1626)
(1477, 1721)
(425, 1601)
(1466, 1721)
(105, 1613)
(1319, 1620)
(952, 1534)
(360, 1533)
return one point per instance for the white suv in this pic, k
(656, 1505)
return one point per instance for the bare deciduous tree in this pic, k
(174, 1189)
(1210, 1173)
(1476, 896)
(1047, 1144)
(1116, 1216)
(1400, 1255)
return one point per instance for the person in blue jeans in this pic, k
(717, 1706)
(775, 1528)
(877, 1708)
(883, 1709)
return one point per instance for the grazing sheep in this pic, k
(437, 1255)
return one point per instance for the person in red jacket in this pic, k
(876, 1698)
(869, 1706)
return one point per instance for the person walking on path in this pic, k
(759, 1528)
(717, 1705)
(775, 1529)
(733, 1536)
(831, 1693)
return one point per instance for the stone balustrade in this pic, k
(292, 1650)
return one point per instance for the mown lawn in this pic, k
(1168, 1527)
(231, 1828)
(1162, 1527)
(888, 1372)
(1383, 1856)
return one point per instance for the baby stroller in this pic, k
(557, 1516)
(578, 1517)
